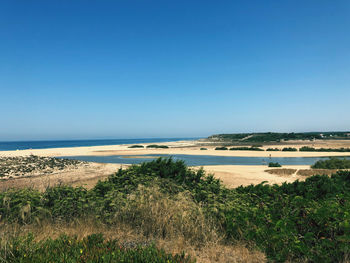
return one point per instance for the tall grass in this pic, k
(158, 214)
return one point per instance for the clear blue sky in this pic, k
(136, 69)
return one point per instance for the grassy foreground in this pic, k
(169, 205)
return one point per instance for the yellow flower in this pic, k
(81, 251)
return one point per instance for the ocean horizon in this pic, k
(45, 144)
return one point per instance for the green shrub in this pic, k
(23, 206)
(203, 149)
(157, 146)
(136, 146)
(223, 148)
(66, 202)
(246, 149)
(289, 149)
(307, 149)
(311, 149)
(300, 221)
(272, 149)
(332, 163)
(271, 164)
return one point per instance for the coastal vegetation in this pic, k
(136, 146)
(203, 149)
(282, 171)
(29, 165)
(272, 164)
(311, 149)
(157, 146)
(222, 148)
(278, 137)
(272, 149)
(289, 149)
(246, 149)
(311, 172)
(285, 149)
(164, 199)
(301, 172)
(332, 163)
(93, 248)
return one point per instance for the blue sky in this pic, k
(137, 69)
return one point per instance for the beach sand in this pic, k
(237, 175)
(180, 147)
(231, 175)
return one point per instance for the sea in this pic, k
(23, 145)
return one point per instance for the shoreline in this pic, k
(231, 175)
(177, 147)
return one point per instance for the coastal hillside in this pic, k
(278, 137)
(164, 211)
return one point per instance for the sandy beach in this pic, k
(181, 147)
(231, 175)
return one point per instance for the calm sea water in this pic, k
(200, 160)
(9, 146)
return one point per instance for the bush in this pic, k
(289, 149)
(245, 149)
(332, 163)
(157, 146)
(66, 201)
(307, 149)
(272, 149)
(223, 148)
(271, 164)
(311, 149)
(203, 149)
(23, 206)
(299, 221)
(136, 146)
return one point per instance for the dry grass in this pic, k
(281, 171)
(167, 216)
(209, 252)
(173, 222)
(310, 172)
(300, 172)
